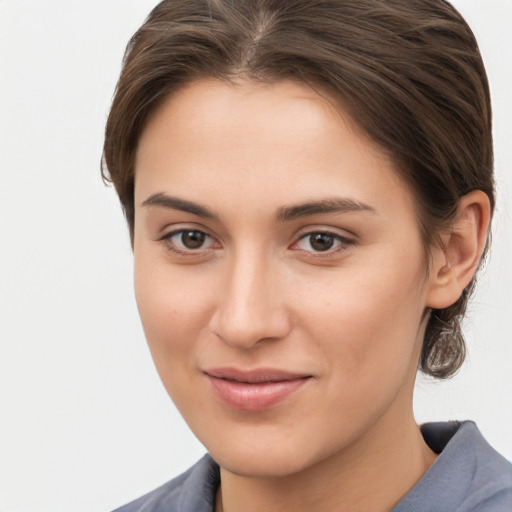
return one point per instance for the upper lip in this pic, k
(256, 375)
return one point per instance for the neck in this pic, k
(374, 473)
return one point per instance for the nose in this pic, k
(250, 307)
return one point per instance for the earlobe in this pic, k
(455, 263)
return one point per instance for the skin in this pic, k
(257, 292)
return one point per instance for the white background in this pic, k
(85, 424)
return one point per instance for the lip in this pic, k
(254, 390)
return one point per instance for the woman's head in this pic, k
(408, 74)
(280, 275)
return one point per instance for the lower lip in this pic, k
(255, 396)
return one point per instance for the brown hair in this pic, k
(409, 72)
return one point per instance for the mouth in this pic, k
(254, 390)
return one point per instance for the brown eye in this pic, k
(321, 241)
(192, 239)
(188, 241)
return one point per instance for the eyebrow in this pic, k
(285, 213)
(330, 205)
(175, 203)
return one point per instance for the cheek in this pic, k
(174, 309)
(368, 324)
(173, 313)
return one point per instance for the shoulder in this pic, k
(468, 476)
(192, 491)
(491, 485)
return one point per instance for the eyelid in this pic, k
(329, 230)
(172, 229)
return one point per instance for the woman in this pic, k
(308, 187)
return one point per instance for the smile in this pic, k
(255, 390)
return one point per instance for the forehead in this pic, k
(217, 136)
(220, 108)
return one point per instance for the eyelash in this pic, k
(343, 242)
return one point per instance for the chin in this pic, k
(265, 463)
(265, 453)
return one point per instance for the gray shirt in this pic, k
(468, 476)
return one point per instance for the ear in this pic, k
(455, 263)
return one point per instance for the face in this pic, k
(279, 274)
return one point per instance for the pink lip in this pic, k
(254, 390)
